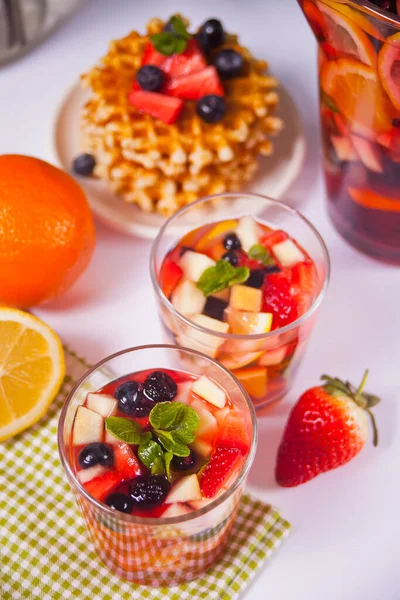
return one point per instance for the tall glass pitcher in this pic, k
(359, 76)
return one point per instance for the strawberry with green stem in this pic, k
(326, 428)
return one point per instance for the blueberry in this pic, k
(271, 269)
(184, 463)
(148, 492)
(96, 454)
(211, 108)
(229, 63)
(215, 307)
(150, 78)
(211, 33)
(131, 399)
(160, 387)
(231, 257)
(232, 242)
(120, 502)
(256, 278)
(84, 164)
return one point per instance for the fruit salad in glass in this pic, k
(359, 53)
(157, 458)
(241, 283)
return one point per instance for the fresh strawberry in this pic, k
(170, 276)
(176, 65)
(303, 277)
(303, 303)
(223, 463)
(326, 428)
(245, 261)
(234, 433)
(101, 487)
(273, 238)
(278, 299)
(125, 461)
(157, 105)
(195, 85)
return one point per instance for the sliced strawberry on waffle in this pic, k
(176, 65)
(101, 487)
(195, 85)
(234, 433)
(160, 106)
(125, 461)
(224, 463)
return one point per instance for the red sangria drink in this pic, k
(157, 460)
(241, 291)
(359, 53)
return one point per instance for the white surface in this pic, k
(274, 177)
(346, 524)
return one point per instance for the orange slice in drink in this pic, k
(254, 380)
(374, 201)
(358, 95)
(346, 36)
(389, 68)
(356, 16)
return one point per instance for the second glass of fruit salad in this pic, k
(157, 458)
(240, 278)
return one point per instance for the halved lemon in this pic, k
(31, 370)
(346, 36)
(245, 323)
(389, 68)
(357, 93)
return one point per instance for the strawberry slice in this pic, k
(126, 462)
(303, 277)
(170, 276)
(278, 299)
(151, 56)
(101, 487)
(273, 238)
(157, 105)
(195, 85)
(223, 464)
(176, 65)
(234, 433)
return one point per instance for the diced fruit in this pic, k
(344, 148)
(273, 357)
(234, 433)
(303, 277)
(287, 253)
(245, 323)
(202, 448)
(184, 490)
(254, 381)
(369, 153)
(278, 300)
(163, 107)
(245, 298)
(237, 360)
(126, 462)
(151, 56)
(88, 474)
(88, 426)
(195, 85)
(194, 264)
(170, 276)
(211, 108)
(276, 237)
(187, 298)
(176, 510)
(176, 65)
(208, 426)
(201, 341)
(223, 463)
(221, 415)
(247, 232)
(214, 233)
(105, 405)
(101, 487)
(209, 391)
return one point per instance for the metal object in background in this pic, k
(24, 23)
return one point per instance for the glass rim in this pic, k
(231, 336)
(153, 521)
(372, 10)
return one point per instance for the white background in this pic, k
(346, 524)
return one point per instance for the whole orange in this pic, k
(47, 234)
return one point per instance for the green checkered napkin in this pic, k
(44, 549)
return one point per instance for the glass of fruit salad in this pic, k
(359, 53)
(157, 458)
(239, 277)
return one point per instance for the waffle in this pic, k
(163, 167)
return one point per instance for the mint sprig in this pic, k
(168, 42)
(220, 276)
(179, 27)
(258, 252)
(126, 430)
(175, 426)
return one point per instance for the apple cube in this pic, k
(184, 393)
(176, 510)
(247, 232)
(103, 404)
(221, 415)
(287, 253)
(273, 357)
(207, 428)
(88, 474)
(193, 264)
(88, 427)
(187, 298)
(202, 448)
(209, 391)
(201, 341)
(245, 298)
(184, 490)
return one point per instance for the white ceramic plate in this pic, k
(274, 177)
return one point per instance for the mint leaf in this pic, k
(220, 276)
(172, 443)
(258, 252)
(179, 27)
(126, 430)
(168, 456)
(167, 43)
(151, 455)
(167, 414)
